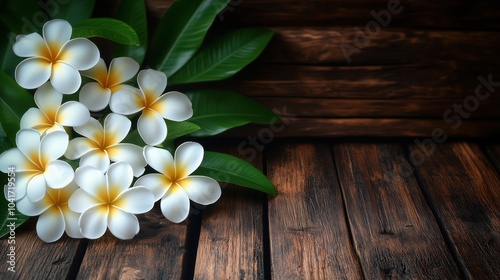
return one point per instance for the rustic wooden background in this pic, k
(426, 59)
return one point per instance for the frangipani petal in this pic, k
(152, 127)
(36, 188)
(15, 158)
(71, 220)
(79, 147)
(97, 159)
(98, 72)
(53, 146)
(188, 157)
(65, 78)
(72, 114)
(160, 160)
(90, 180)
(80, 201)
(129, 153)
(175, 204)
(158, 184)
(58, 174)
(56, 33)
(50, 226)
(31, 73)
(22, 180)
(152, 83)
(93, 222)
(48, 100)
(34, 118)
(126, 102)
(92, 130)
(28, 142)
(121, 70)
(29, 208)
(122, 224)
(80, 53)
(201, 189)
(136, 200)
(116, 128)
(28, 45)
(94, 96)
(120, 176)
(173, 106)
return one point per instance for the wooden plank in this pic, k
(366, 127)
(309, 237)
(394, 231)
(413, 81)
(376, 108)
(463, 188)
(35, 259)
(157, 252)
(483, 14)
(494, 152)
(231, 236)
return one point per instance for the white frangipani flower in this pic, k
(102, 144)
(54, 57)
(51, 115)
(173, 185)
(55, 215)
(36, 161)
(106, 201)
(155, 107)
(96, 95)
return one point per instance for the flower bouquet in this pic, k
(90, 140)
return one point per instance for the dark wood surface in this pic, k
(346, 209)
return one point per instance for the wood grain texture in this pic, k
(494, 152)
(309, 237)
(393, 229)
(231, 236)
(157, 252)
(461, 14)
(464, 189)
(365, 127)
(36, 259)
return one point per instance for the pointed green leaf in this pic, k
(7, 217)
(17, 98)
(181, 32)
(108, 28)
(223, 57)
(9, 120)
(217, 111)
(133, 12)
(230, 169)
(73, 11)
(179, 129)
(22, 17)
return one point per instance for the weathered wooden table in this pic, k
(345, 210)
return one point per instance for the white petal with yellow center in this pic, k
(201, 189)
(152, 83)
(52, 146)
(122, 224)
(72, 114)
(116, 128)
(119, 177)
(136, 200)
(152, 127)
(121, 69)
(65, 78)
(126, 102)
(175, 204)
(36, 119)
(58, 174)
(173, 106)
(188, 157)
(28, 45)
(56, 33)
(94, 221)
(80, 146)
(14, 157)
(50, 226)
(129, 153)
(98, 72)
(80, 53)
(82, 200)
(35, 191)
(94, 96)
(158, 184)
(31, 73)
(160, 160)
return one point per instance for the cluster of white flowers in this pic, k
(98, 195)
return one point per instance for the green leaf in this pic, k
(5, 218)
(181, 32)
(223, 57)
(179, 129)
(8, 60)
(133, 12)
(73, 11)
(217, 111)
(108, 28)
(22, 17)
(17, 98)
(230, 169)
(9, 120)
